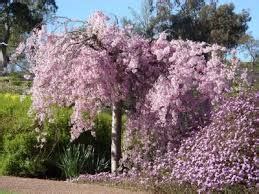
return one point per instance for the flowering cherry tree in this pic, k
(100, 64)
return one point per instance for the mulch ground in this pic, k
(40, 186)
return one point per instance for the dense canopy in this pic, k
(101, 64)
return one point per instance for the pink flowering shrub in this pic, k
(221, 153)
(224, 152)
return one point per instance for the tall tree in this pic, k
(225, 27)
(142, 21)
(18, 17)
(251, 46)
(102, 64)
(196, 20)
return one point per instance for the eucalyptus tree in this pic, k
(18, 17)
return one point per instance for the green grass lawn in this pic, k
(6, 192)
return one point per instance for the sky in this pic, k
(81, 9)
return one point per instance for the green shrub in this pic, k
(14, 84)
(22, 155)
(101, 140)
(20, 152)
(13, 116)
(103, 128)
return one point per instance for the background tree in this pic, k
(251, 46)
(225, 27)
(18, 17)
(142, 23)
(194, 20)
(151, 12)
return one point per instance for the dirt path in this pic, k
(39, 186)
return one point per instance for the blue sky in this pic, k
(81, 9)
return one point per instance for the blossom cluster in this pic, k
(221, 153)
(103, 64)
(224, 152)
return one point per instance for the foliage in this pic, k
(103, 130)
(193, 20)
(14, 84)
(79, 158)
(29, 149)
(23, 16)
(73, 160)
(16, 147)
(251, 47)
(19, 158)
(215, 155)
(17, 18)
(226, 27)
(21, 149)
(12, 115)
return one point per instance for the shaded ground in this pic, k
(39, 186)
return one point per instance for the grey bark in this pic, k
(4, 39)
(3, 59)
(116, 136)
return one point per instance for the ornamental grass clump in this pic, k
(73, 159)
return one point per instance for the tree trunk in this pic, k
(116, 136)
(5, 40)
(3, 59)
